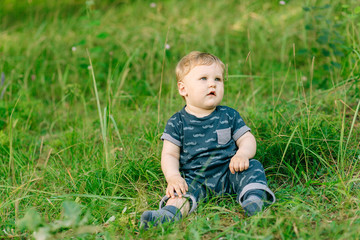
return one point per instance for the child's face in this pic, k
(203, 87)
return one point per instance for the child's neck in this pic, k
(199, 112)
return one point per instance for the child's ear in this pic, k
(182, 89)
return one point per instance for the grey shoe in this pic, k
(165, 213)
(156, 217)
(252, 205)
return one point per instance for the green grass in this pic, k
(70, 134)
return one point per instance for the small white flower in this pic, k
(304, 78)
(89, 67)
(167, 46)
(73, 49)
(153, 5)
(282, 2)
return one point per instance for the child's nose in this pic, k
(211, 82)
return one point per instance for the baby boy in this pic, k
(207, 147)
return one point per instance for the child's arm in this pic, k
(170, 166)
(246, 150)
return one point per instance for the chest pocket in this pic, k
(223, 135)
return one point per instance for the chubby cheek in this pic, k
(221, 91)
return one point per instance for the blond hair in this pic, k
(194, 59)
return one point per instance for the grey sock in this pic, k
(156, 217)
(252, 205)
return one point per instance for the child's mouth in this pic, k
(212, 94)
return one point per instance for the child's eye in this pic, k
(218, 79)
(203, 78)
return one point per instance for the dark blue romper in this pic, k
(206, 147)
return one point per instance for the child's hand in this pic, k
(238, 163)
(176, 184)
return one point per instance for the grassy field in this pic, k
(87, 87)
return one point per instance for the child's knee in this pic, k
(255, 164)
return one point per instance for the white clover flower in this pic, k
(153, 5)
(167, 46)
(282, 2)
(304, 78)
(89, 67)
(73, 49)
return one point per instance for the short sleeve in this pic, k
(239, 126)
(172, 130)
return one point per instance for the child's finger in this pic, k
(178, 191)
(246, 165)
(231, 167)
(237, 167)
(183, 189)
(241, 166)
(172, 194)
(169, 190)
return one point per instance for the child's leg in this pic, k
(251, 187)
(180, 203)
(175, 208)
(166, 214)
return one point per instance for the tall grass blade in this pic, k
(286, 148)
(11, 149)
(162, 75)
(117, 131)
(352, 125)
(341, 152)
(353, 166)
(103, 129)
